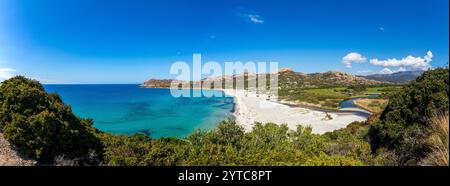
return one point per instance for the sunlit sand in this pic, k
(251, 108)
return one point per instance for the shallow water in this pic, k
(128, 109)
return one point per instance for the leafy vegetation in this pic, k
(268, 144)
(404, 123)
(42, 126)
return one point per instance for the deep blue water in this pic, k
(128, 109)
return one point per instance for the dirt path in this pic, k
(9, 157)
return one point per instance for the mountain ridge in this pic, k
(397, 77)
(287, 78)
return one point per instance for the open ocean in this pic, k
(128, 109)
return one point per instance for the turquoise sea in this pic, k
(128, 109)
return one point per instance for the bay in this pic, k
(129, 109)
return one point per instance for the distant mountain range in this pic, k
(397, 77)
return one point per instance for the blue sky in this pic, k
(115, 41)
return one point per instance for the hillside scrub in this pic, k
(228, 144)
(41, 125)
(404, 123)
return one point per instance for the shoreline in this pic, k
(293, 103)
(251, 108)
(359, 111)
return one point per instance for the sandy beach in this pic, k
(251, 108)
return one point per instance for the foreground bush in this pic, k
(141, 150)
(403, 125)
(228, 144)
(42, 126)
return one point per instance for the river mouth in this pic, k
(349, 103)
(349, 108)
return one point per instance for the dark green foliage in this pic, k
(167, 152)
(41, 125)
(141, 150)
(403, 124)
(126, 150)
(228, 144)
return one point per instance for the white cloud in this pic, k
(6, 73)
(255, 18)
(353, 57)
(385, 71)
(389, 71)
(429, 56)
(382, 71)
(7, 70)
(406, 63)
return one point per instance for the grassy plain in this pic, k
(329, 98)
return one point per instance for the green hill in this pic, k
(405, 126)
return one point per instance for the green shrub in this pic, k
(41, 125)
(403, 124)
(126, 150)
